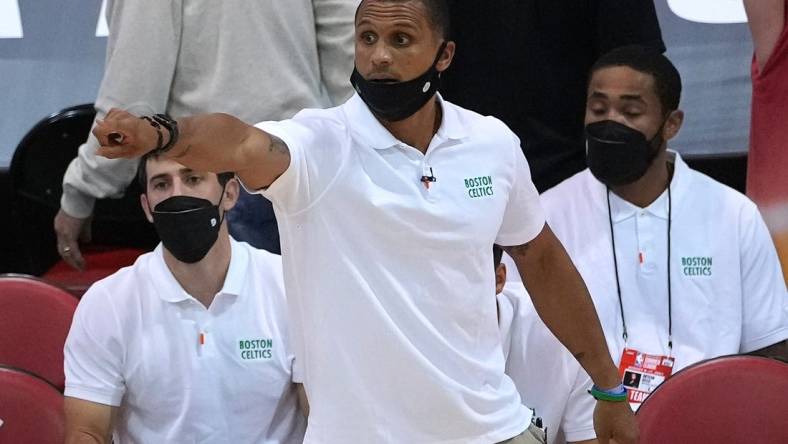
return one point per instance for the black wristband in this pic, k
(172, 127)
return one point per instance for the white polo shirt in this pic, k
(548, 377)
(135, 344)
(389, 280)
(728, 292)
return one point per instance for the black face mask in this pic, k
(187, 226)
(395, 101)
(617, 154)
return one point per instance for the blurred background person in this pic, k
(767, 181)
(255, 60)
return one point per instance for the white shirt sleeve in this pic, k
(142, 50)
(94, 351)
(764, 295)
(318, 148)
(578, 421)
(524, 217)
(334, 29)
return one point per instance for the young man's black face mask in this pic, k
(617, 154)
(395, 101)
(187, 226)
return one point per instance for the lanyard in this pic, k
(618, 283)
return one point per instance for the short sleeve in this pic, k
(578, 420)
(764, 296)
(627, 22)
(94, 352)
(318, 148)
(524, 218)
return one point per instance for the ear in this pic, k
(446, 57)
(673, 124)
(500, 278)
(231, 193)
(146, 207)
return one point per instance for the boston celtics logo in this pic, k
(696, 266)
(481, 186)
(255, 349)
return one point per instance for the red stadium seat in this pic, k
(31, 410)
(34, 321)
(99, 263)
(734, 399)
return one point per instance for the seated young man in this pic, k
(681, 268)
(189, 344)
(548, 377)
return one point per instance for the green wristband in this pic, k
(618, 394)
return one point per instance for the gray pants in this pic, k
(532, 435)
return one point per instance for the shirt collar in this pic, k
(169, 290)
(621, 209)
(374, 134)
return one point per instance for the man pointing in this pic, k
(387, 242)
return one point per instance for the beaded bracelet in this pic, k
(172, 127)
(616, 394)
(157, 127)
(158, 121)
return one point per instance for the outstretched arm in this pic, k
(207, 142)
(562, 301)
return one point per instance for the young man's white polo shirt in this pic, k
(135, 343)
(728, 292)
(389, 280)
(548, 377)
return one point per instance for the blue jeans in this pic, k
(252, 220)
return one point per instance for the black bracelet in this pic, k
(172, 127)
(155, 125)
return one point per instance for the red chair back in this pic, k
(31, 410)
(730, 399)
(34, 321)
(100, 263)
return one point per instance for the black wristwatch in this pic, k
(163, 120)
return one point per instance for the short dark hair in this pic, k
(651, 61)
(437, 14)
(142, 172)
(497, 255)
